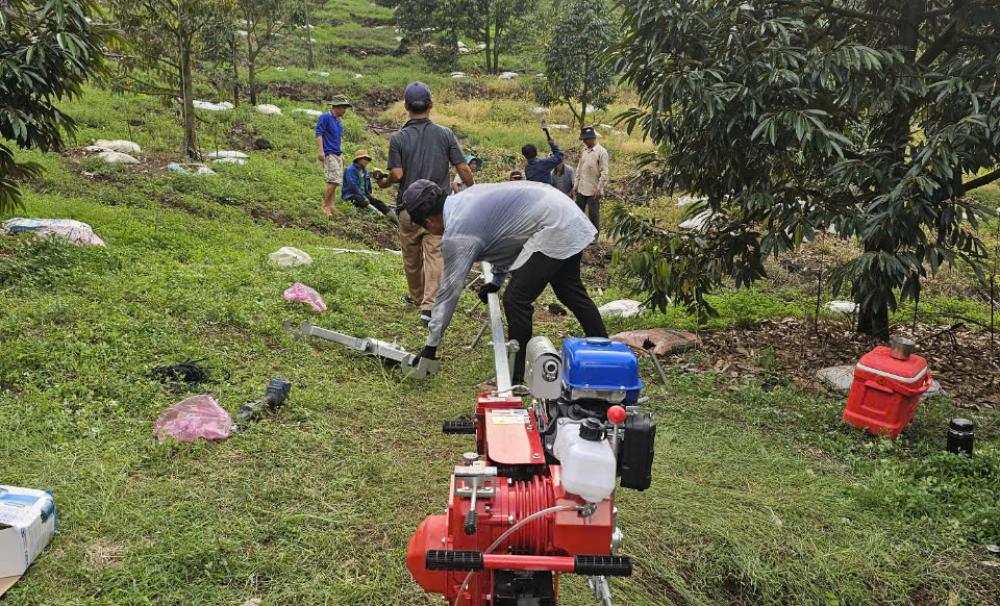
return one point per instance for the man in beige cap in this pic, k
(329, 131)
(591, 175)
(358, 187)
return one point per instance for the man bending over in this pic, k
(529, 230)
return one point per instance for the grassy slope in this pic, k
(759, 497)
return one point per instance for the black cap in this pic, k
(588, 132)
(419, 199)
(417, 94)
(591, 429)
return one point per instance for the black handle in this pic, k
(442, 559)
(608, 566)
(471, 522)
(459, 426)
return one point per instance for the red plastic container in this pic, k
(887, 387)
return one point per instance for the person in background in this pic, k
(539, 169)
(528, 230)
(515, 175)
(329, 131)
(474, 164)
(358, 187)
(591, 176)
(422, 150)
(563, 178)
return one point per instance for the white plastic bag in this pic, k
(287, 256)
(622, 308)
(113, 157)
(119, 145)
(267, 108)
(226, 153)
(66, 229)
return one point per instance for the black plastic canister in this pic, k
(960, 436)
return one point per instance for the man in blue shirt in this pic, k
(329, 131)
(358, 186)
(540, 169)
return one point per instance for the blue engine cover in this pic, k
(596, 364)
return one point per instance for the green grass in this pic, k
(760, 495)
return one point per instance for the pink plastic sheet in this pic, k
(193, 418)
(303, 294)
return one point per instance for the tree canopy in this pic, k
(869, 118)
(498, 26)
(575, 71)
(164, 38)
(47, 51)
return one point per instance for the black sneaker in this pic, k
(425, 317)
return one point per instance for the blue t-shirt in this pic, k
(539, 169)
(329, 127)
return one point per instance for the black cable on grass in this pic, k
(188, 371)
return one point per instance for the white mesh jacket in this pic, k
(504, 224)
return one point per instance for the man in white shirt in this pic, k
(591, 176)
(527, 229)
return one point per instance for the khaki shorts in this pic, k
(334, 166)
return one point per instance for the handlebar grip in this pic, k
(471, 522)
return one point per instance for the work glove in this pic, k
(486, 290)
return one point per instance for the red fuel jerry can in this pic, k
(888, 383)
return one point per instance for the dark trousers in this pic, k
(592, 206)
(528, 282)
(363, 201)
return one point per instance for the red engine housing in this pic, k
(508, 436)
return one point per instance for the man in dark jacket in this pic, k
(358, 186)
(540, 169)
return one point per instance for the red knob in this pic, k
(617, 414)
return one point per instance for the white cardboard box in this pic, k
(27, 523)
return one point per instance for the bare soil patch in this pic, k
(962, 360)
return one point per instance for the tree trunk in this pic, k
(585, 95)
(874, 322)
(487, 31)
(895, 134)
(310, 63)
(497, 33)
(187, 98)
(252, 79)
(236, 71)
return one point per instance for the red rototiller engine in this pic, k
(536, 498)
